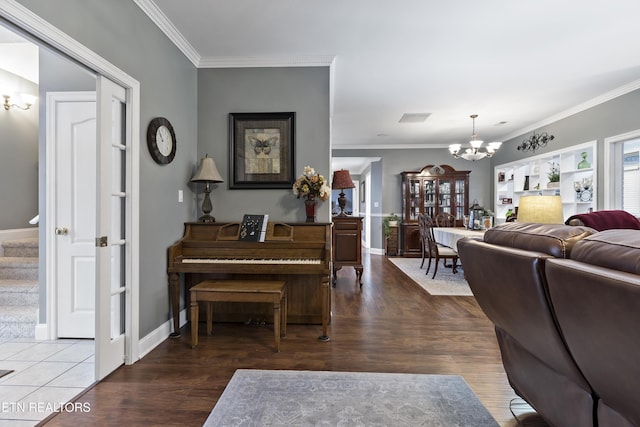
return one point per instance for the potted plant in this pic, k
(553, 175)
(389, 221)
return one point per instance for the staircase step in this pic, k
(19, 293)
(26, 247)
(19, 268)
(18, 322)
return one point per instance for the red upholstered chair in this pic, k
(605, 220)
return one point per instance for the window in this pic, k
(631, 177)
(622, 173)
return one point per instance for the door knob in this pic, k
(62, 231)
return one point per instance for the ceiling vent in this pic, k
(414, 117)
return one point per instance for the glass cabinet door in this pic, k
(444, 196)
(429, 186)
(414, 201)
(460, 192)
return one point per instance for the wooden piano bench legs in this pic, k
(270, 291)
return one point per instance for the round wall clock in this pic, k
(161, 140)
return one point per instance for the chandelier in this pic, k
(476, 151)
(535, 141)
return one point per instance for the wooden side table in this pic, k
(347, 245)
(272, 291)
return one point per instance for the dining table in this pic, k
(449, 236)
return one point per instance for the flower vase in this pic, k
(311, 207)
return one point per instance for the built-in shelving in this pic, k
(531, 176)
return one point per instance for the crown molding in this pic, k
(166, 26)
(593, 102)
(252, 62)
(365, 146)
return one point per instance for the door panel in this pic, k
(111, 220)
(75, 213)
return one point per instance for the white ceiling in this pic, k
(517, 64)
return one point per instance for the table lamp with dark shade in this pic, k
(342, 180)
(207, 173)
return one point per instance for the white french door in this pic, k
(111, 242)
(112, 344)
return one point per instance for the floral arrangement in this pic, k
(311, 183)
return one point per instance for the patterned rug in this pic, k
(322, 398)
(445, 282)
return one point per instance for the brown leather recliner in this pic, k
(506, 275)
(596, 298)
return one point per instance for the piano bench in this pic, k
(273, 291)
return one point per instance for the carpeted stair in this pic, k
(19, 289)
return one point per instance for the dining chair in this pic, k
(431, 248)
(445, 219)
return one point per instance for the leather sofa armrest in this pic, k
(615, 249)
(556, 240)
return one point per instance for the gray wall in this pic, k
(304, 90)
(614, 117)
(18, 159)
(122, 34)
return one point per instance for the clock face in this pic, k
(161, 140)
(164, 140)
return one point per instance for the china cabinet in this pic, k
(569, 173)
(432, 190)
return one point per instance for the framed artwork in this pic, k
(261, 150)
(362, 192)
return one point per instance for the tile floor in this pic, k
(47, 374)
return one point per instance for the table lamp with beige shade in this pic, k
(540, 209)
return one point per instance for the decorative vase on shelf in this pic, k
(584, 164)
(525, 187)
(311, 207)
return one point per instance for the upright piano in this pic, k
(298, 253)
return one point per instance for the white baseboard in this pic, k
(42, 332)
(157, 336)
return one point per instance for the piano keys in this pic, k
(298, 253)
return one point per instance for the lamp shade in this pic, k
(207, 171)
(540, 209)
(342, 180)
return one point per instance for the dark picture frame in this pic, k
(261, 150)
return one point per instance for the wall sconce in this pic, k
(535, 141)
(207, 173)
(28, 101)
(342, 180)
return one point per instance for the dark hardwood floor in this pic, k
(390, 325)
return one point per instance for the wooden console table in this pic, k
(347, 245)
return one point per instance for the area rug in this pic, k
(445, 282)
(4, 372)
(322, 398)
